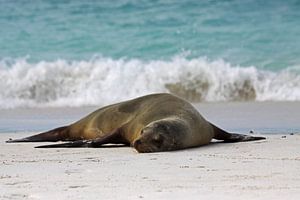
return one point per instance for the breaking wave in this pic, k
(101, 81)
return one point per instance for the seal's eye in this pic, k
(157, 140)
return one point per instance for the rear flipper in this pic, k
(242, 138)
(115, 138)
(233, 137)
(54, 135)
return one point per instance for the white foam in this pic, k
(103, 81)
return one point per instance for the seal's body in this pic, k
(152, 123)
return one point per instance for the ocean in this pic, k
(56, 53)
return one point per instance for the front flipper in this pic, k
(115, 138)
(78, 143)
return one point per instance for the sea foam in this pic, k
(102, 81)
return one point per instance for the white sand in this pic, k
(267, 169)
(253, 170)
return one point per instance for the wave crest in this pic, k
(103, 81)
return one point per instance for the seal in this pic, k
(152, 123)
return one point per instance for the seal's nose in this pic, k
(137, 143)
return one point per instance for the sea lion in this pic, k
(152, 123)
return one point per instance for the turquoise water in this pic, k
(251, 32)
(51, 51)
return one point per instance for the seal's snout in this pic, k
(141, 147)
(137, 143)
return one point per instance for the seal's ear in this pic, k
(163, 127)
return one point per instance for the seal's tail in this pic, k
(233, 137)
(54, 135)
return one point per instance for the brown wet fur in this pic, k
(170, 123)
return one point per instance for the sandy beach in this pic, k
(255, 170)
(268, 169)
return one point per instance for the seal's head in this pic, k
(158, 136)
